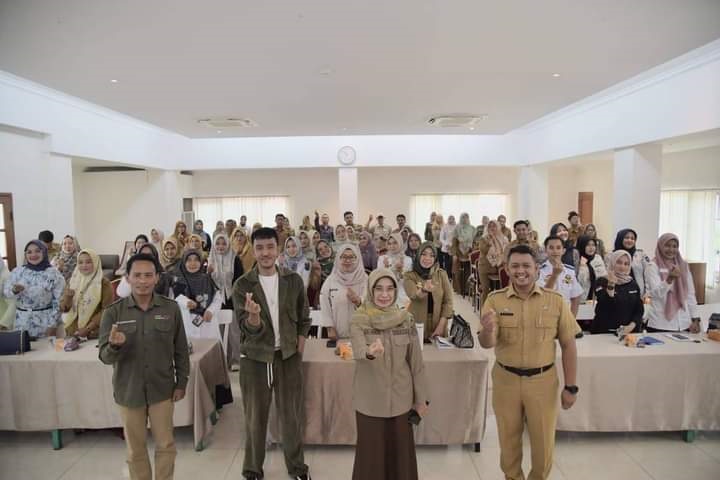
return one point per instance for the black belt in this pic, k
(33, 309)
(526, 372)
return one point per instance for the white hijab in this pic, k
(223, 266)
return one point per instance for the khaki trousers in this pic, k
(161, 425)
(525, 400)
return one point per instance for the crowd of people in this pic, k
(372, 283)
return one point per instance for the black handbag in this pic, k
(14, 342)
(460, 333)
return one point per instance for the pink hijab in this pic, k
(678, 293)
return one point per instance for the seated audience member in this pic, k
(66, 260)
(343, 291)
(197, 297)
(571, 257)
(157, 237)
(388, 365)
(591, 232)
(47, 237)
(397, 262)
(491, 248)
(446, 240)
(592, 267)
(642, 266)
(85, 297)
(7, 305)
(323, 227)
(36, 287)
(170, 255)
(124, 289)
(576, 228)
(555, 275)
(308, 249)
(673, 306)
(502, 223)
(463, 237)
(369, 254)
(180, 235)
(380, 228)
(199, 230)
(294, 260)
(619, 302)
(413, 243)
(522, 237)
(430, 293)
(242, 247)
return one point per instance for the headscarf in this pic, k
(338, 238)
(369, 254)
(88, 292)
(166, 261)
(355, 278)
(198, 286)
(400, 253)
(497, 242)
(44, 263)
(69, 258)
(582, 243)
(425, 273)
(289, 262)
(308, 251)
(369, 315)
(154, 253)
(409, 251)
(234, 244)
(157, 245)
(621, 278)
(192, 237)
(219, 228)
(465, 233)
(181, 239)
(327, 263)
(223, 266)
(677, 295)
(619, 241)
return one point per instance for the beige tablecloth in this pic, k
(675, 386)
(49, 390)
(458, 383)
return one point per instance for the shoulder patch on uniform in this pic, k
(554, 292)
(494, 292)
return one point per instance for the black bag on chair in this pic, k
(460, 333)
(14, 342)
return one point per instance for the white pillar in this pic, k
(348, 191)
(636, 183)
(533, 198)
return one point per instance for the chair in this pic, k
(109, 263)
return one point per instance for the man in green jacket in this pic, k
(272, 312)
(143, 338)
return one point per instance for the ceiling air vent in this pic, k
(229, 122)
(460, 120)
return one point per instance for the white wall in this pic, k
(692, 169)
(41, 186)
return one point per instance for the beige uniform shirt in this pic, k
(527, 328)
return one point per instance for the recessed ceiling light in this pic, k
(555, 75)
(113, 81)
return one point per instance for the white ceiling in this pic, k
(318, 67)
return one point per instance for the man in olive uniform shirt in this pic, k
(143, 338)
(522, 237)
(522, 322)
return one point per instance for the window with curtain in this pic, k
(694, 216)
(257, 209)
(475, 204)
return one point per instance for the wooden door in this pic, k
(7, 231)
(585, 207)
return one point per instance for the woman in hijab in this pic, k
(294, 260)
(388, 366)
(368, 252)
(591, 232)
(66, 260)
(242, 247)
(446, 241)
(619, 302)
(36, 287)
(571, 257)
(397, 262)
(164, 284)
(343, 291)
(350, 234)
(85, 297)
(199, 229)
(626, 239)
(435, 230)
(463, 237)
(306, 224)
(413, 243)
(673, 306)
(321, 269)
(221, 268)
(315, 238)
(156, 238)
(180, 234)
(197, 297)
(308, 249)
(194, 242)
(430, 292)
(170, 255)
(140, 240)
(491, 248)
(592, 266)
(340, 236)
(7, 305)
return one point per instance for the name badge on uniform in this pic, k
(505, 312)
(161, 317)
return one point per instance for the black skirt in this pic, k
(385, 449)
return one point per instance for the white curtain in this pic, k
(257, 209)
(694, 216)
(476, 205)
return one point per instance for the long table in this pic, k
(669, 387)
(49, 390)
(458, 384)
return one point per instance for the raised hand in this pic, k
(489, 320)
(376, 348)
(116, 336)
(250, 306)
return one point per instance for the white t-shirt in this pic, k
(566, 284)
(270, 288)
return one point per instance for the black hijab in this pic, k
(425, 273)
(619, 241)
(44, 263)
(197, 286)
(582, 243)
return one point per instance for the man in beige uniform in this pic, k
(522, 322)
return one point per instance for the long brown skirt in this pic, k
(385, 449)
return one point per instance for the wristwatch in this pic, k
(572, 389)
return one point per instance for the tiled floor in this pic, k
(99, 455)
